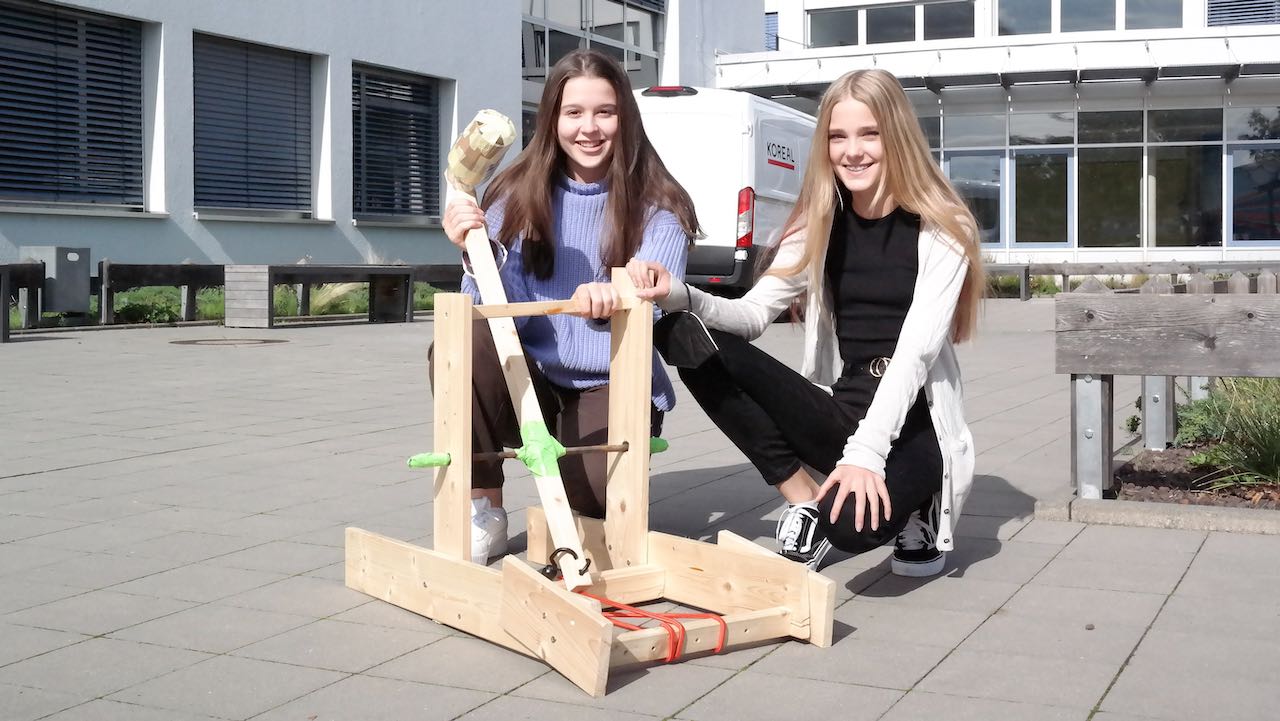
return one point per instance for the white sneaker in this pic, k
(488, 531)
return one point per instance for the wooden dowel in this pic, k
(570, 451)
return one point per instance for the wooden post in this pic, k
(1159, 411)
(1024, 283)
(1266, 283)
(1198, 386)
(1238, 283)
(630, 397)
(452, 425)
(29, 307)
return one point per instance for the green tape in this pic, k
(540, 450)
(429, 460)
(658, 445)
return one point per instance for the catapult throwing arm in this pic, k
(479, 149)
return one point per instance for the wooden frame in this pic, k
(761, 595)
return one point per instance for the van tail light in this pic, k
(746, 217)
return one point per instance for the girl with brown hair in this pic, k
(587, 194)
(884, 254)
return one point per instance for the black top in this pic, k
(871, 271)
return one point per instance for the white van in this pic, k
(741, 158)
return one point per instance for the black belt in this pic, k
(875, 367)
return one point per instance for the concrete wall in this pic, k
(472, 46)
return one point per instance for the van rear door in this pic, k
(705, 152)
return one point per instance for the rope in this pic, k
(670, 622)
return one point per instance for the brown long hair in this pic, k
(910, 177)
(637, 179)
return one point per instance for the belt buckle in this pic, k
(878, 366)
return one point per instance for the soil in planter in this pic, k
(1168, 477)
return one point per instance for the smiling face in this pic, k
(587, 126)
(857, 155)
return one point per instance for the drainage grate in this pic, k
(229, 341)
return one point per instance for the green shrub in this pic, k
(1010, 286)
(1241, 421)
(159, 304)
(424, 296)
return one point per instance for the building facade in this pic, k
(1078, 130)
(241, 131)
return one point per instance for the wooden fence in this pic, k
(1201, 330)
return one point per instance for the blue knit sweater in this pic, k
(573, 352)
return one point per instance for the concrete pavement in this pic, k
(171, 530)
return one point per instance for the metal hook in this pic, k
(552, 569)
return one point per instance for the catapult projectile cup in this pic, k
(479, 150)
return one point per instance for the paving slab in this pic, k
(751, 696)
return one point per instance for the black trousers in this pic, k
(780, 421)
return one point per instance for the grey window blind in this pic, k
(70, 106)
(1243, 12)
(252, 126)
(771, 31)
(395, 143)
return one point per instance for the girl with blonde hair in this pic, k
(884, 254)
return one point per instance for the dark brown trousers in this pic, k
(575, 417)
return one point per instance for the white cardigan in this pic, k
(924, 356)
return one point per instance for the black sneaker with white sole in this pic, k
(800, 538)
(915, 551)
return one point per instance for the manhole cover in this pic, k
(229, 341)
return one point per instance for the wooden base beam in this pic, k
(701, 635)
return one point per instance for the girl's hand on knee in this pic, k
(595, 300)
(652, 280)
(870, 495)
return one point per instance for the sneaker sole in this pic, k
(918, 570)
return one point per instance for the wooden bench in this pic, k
(1023, 271)
(250, 290)
(189, 278)
(1158, 335)
(26, 281)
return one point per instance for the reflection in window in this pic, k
(1187, 207)
(561, 44)
(948, 20)
(968, 131)
(830, 28)
(1022, 17)
(607, 20)
(977, 179)
(642, 69)
(891, 24)
(646, 29)
(1110, 191)
(1184, 126)
(1148, 14)
(1040, 197)
(528, 123)
(1255, 193)
(533, 52)
(1111, 126)
(932, 128)
(1082, 15)
(1041, 128)
(566, 12)
(1253, 123)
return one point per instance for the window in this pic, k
(892, 24)
(395, 143)
(1041, 128)
(771, 31)
(968, 131)
(1040, 180)
(1149, 14)
(977, 178)
(533, 52)
(1110, 197)
(252, 126)
(1187, 207)
(1111, 126)
(1085, 15)
(948, 20)
(830, 28)
(70, 107)
(1024, 17)
(1184, 126)
(1255, 191)
(1243, 12)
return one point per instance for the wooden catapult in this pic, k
(755, 595)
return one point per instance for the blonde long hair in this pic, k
(909, 175)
